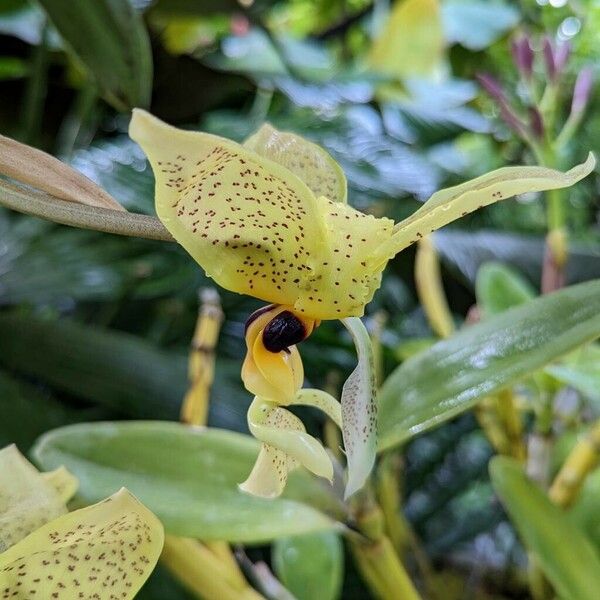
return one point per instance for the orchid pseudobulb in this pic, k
(269, 218)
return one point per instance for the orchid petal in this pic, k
(452, 203)
(105, 551)
(321, 400)
(270, 424)
(359, 410)
(27, 500)
(64, 482)
(308, 161)
(256, 228)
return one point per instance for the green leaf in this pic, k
(187, 476)
(454, 374)
(115, 370)
(499, 287)
(26, 412)
(476, 24)
(581, 371)
(564, 553)
(311, 565)
(110, 39)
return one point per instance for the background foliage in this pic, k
(95, 327)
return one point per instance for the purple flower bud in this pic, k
(536, 123)
(523, 56)
(561, 56)
(549, 58)
(582, 90)
(493, 87)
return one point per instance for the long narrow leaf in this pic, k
(454, 374)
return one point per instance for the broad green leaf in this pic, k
(412, 41)
(565, 554)
(308, 161)
(359, 410)
(452, 203)
(27, 499)
(310, 565)
(114, 370)
(454, 374)
(476, 24)
(499, 287)
(105, 551)
(187, 476)
(27, 411)
(110, 39)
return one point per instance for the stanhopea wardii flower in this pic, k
(269, 218)
(104, 551)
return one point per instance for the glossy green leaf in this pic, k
(565, 554)
(110, 39)
(454, 374)
(311, 565)
(499, 287)
(187, 476)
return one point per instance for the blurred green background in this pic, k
(97, 327)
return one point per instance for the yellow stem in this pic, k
(510, 419)
(376, 557)
(582, 460)
(201, 367)
(201, 572)
(487, 415)
(430, 290)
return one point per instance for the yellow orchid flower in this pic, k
(269, 218)
(105, 551)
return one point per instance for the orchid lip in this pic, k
(256, 314)
(285, 330)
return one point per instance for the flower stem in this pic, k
(203, 572)
(201, 362)
(376, 558)
(579, 464)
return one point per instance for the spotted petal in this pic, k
(452, 203)
(105, 551)
(256, 228)
(273, 465)
(308, 161)
(27, 500)
(359, 410)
